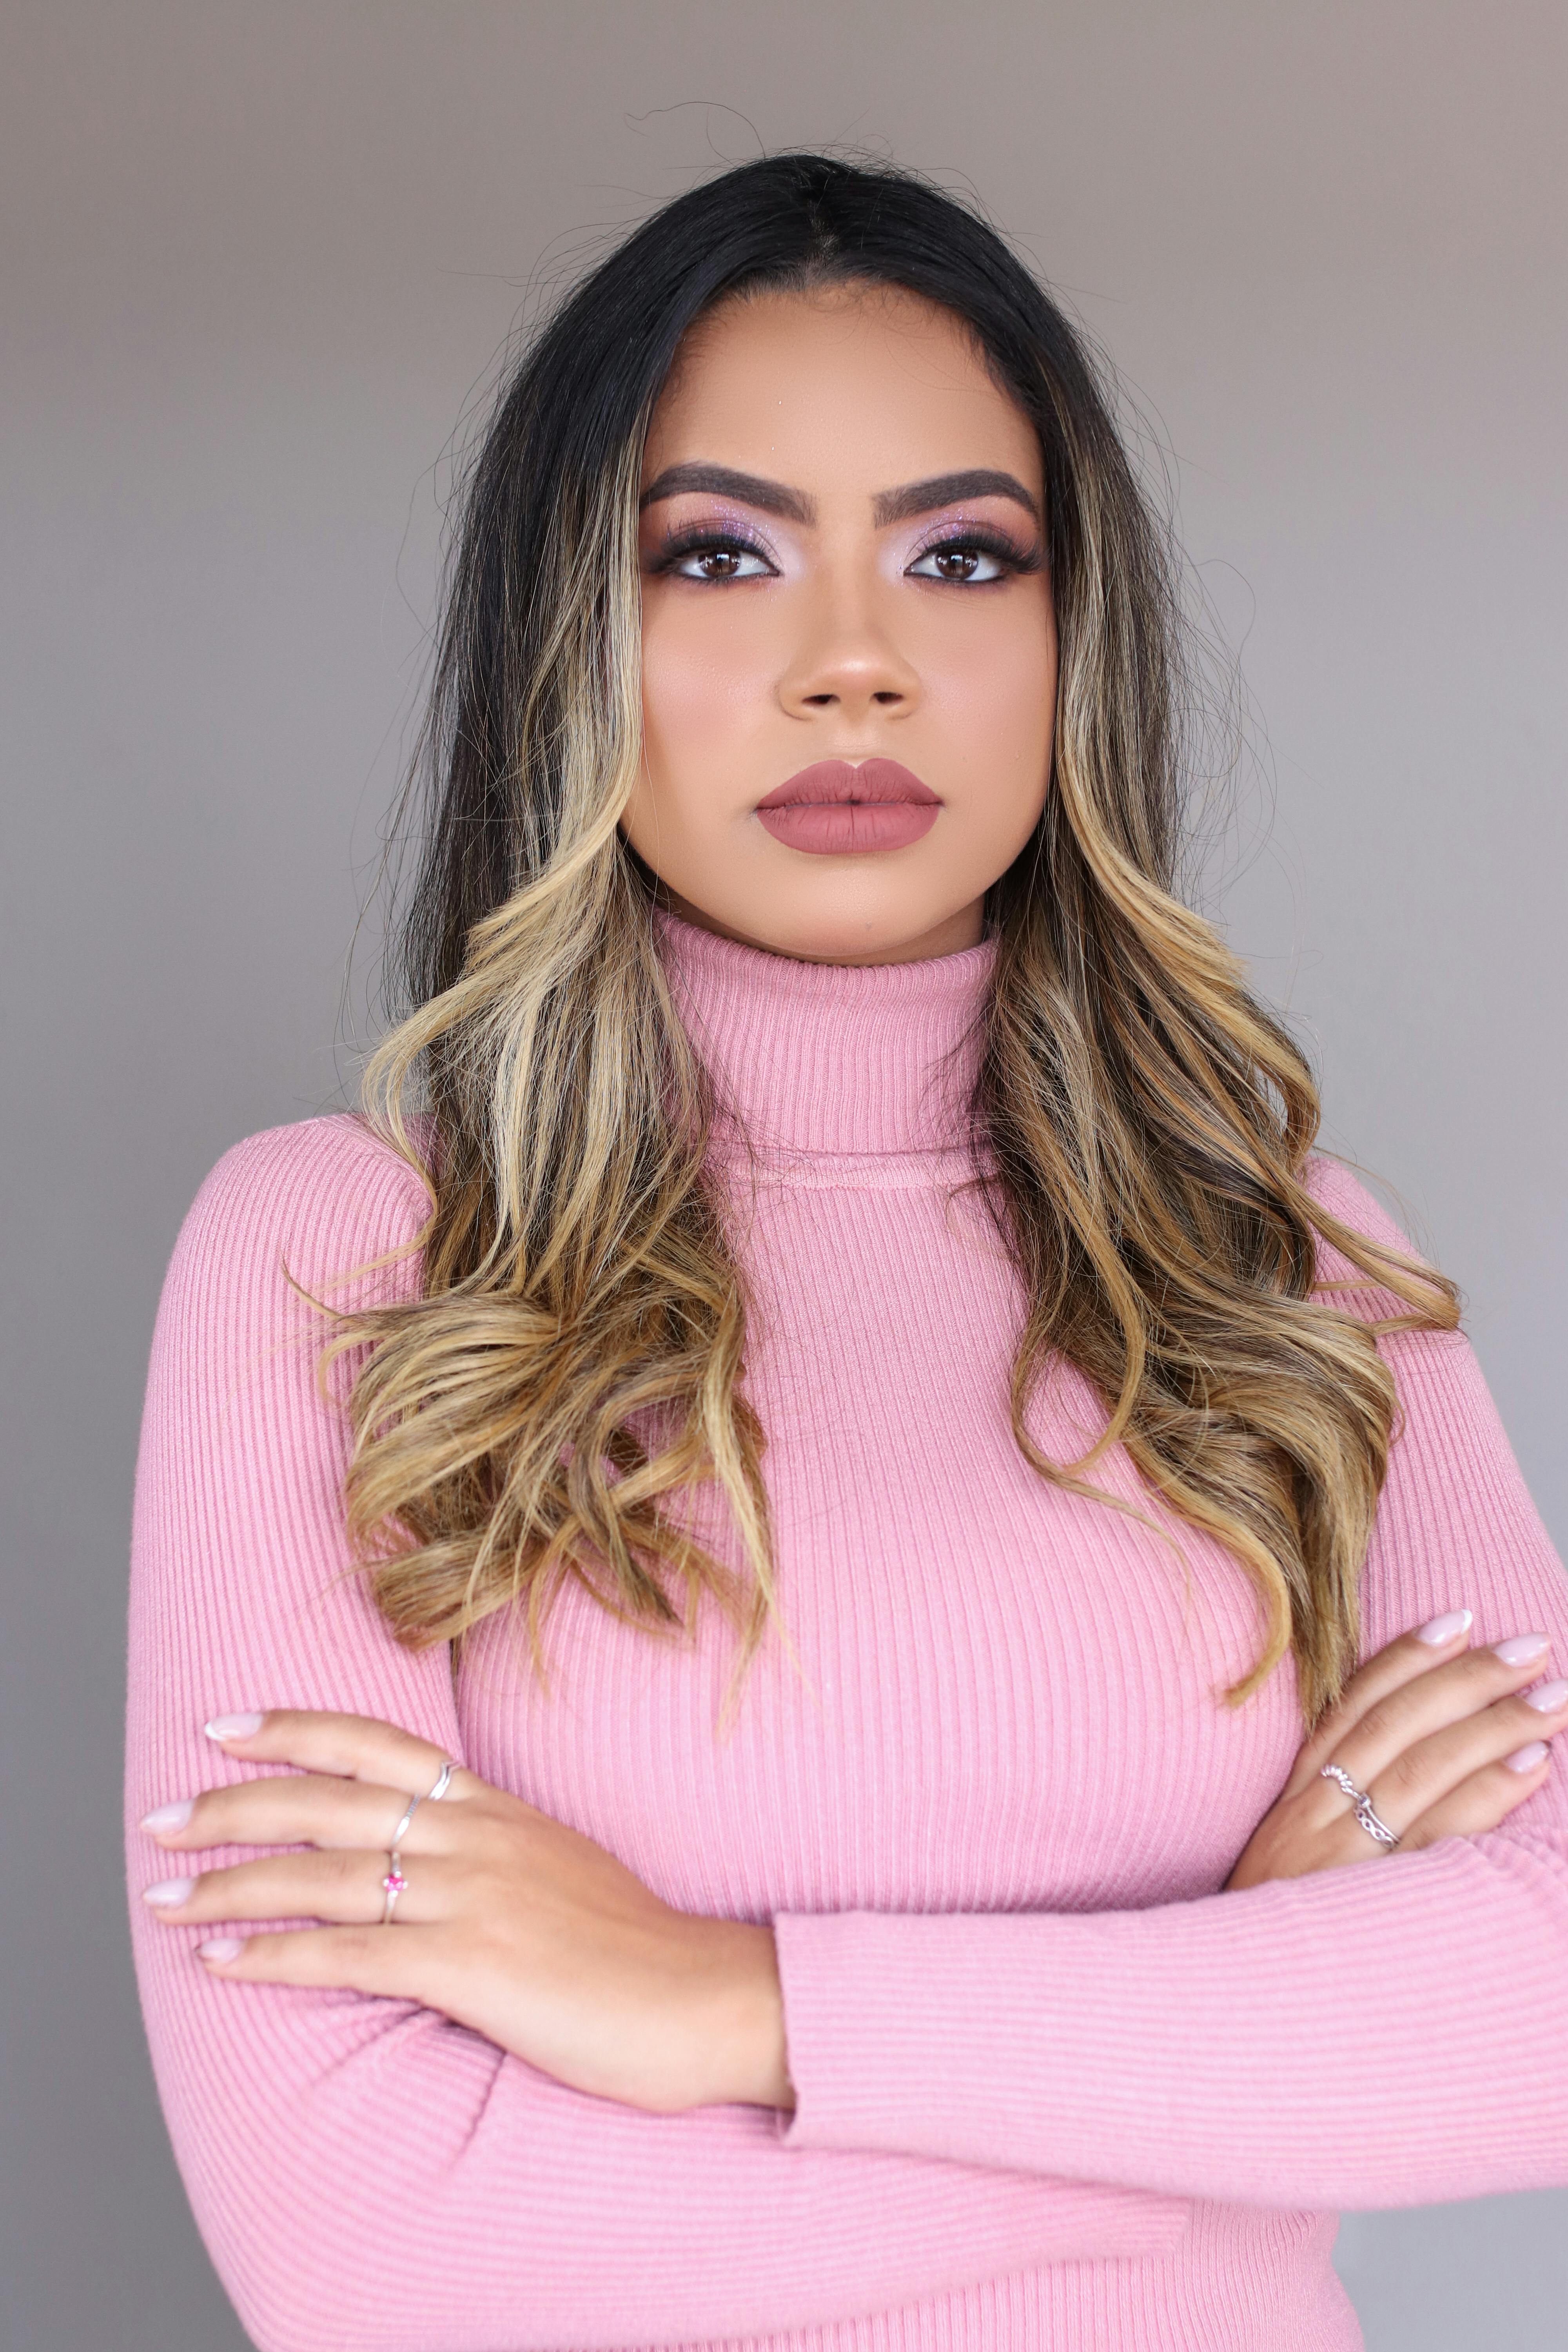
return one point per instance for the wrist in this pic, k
(746, 2058)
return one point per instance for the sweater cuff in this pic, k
(875, 2052)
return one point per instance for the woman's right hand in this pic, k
(1442, 1738)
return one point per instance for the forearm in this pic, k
(369, 2176)
(1395, 2034)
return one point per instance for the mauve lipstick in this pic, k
(837, 810)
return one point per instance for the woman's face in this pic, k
(844, 595)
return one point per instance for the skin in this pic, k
(836, 637)
(821, 640)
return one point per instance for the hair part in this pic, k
(568, 1378)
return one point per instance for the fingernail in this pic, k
(1547, 1697)
(1521, 1649)
(169, 1816)
(168, 1892)
(1442, 1629)
(233, 1727)
(1525, 1760)
(220, 1948)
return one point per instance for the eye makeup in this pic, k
(721, 531)
(955, 536)
(704, 538)
(736, 535)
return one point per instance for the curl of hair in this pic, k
(571, 1369)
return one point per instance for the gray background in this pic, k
(258, 259)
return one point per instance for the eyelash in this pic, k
(977, 539)
(705, 539)
(702, 539)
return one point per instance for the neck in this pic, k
(949, 936)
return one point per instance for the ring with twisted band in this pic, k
(1365, 1812)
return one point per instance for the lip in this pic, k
(836, 808)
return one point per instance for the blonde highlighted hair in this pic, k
(571, 1370)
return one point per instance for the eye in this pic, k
(714, 558)
(723, 563)
(965, 561)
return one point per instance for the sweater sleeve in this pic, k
(1395, 2034)
(368, 2176)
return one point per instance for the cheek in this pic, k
(706, 677)
(992, 688)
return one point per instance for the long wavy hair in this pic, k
(570, 1374)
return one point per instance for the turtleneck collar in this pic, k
(814, 1058)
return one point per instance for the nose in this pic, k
(846, 663)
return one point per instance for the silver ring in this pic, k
(401, 1831)
(1364, 1813)
(443, 1781)
(393, 1885)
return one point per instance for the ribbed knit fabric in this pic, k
(1055, 2088)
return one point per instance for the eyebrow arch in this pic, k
(888, 507)
(723, 482)
(949, 489)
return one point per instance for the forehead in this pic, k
(851, 387)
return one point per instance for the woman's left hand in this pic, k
(509, 1923)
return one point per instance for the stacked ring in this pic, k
(394, 1883)
(1364, 1805)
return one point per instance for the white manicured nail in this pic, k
(168, 1892)
(168, 1816)
(233, 1727)
(1442, 1629)
(1525, 1760)
(220, 1948)
(1521, 1649)
(1547, 1697)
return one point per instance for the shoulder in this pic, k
(1346, 1203)
(1347, 1199)
(325, 1198)
(1341, 1284)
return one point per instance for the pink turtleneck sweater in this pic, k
(1055, 2088)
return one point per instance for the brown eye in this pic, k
(717, 560)
(961, 562)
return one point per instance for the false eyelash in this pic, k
(986, 540)
(705, 539)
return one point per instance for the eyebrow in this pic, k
(889, 506)
(947, 490)
(723, 482)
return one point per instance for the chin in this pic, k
(838, 935)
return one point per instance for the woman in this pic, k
(755, 1670)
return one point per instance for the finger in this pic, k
(1399, 1662)
(346, 1888)
(1482, 1802)
(1428, 1703)
(1431, 1770)
(352, 1746)
(388, 1960)
(301, 1809)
